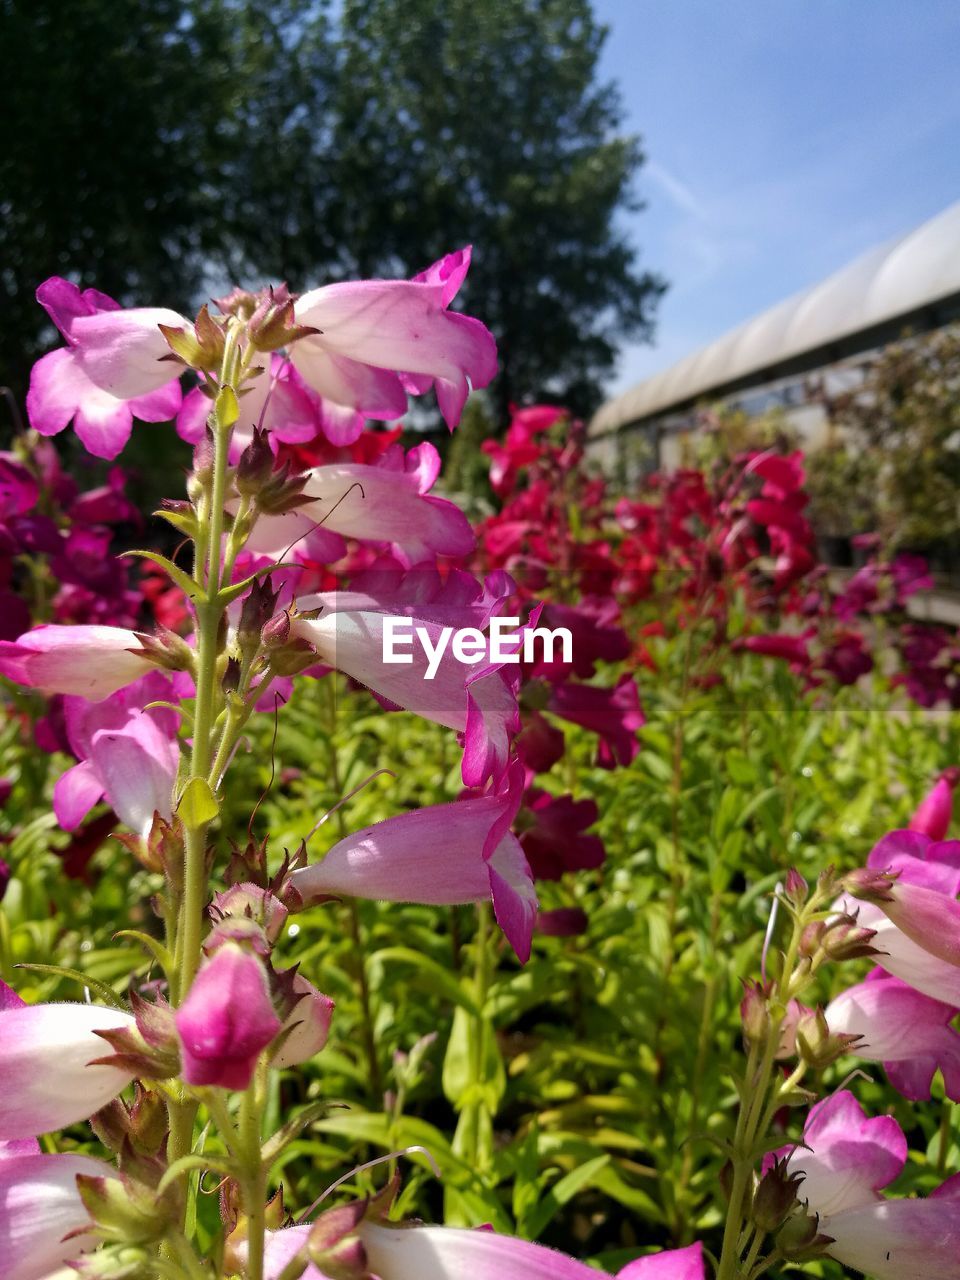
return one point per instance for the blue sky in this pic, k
(784, 137)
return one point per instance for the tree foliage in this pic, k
(485, 122)
(157, 148)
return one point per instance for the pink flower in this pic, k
(672, 1264)
(935, 810)
(46, 1080)
(443, 854)
(111, 370)
(477, 699)
(846, 1159)
(40, 1205)
(227, 1019)
(308, 1024)
(91, 662)
(908, 1032)
(380, 339)
(388, 503)
(127, 756)
(277, 401)
(930, 869)
(450, 1253)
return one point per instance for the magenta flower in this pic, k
(443, 854)
(387, 503)
(908, 1032)
(846, 1159)
(40, 1206)
(380, 339)
(46, 1051)
(596, 636)
(614, 715)
(791, 648)
(556, 842)
(110, 372)
(89, 661)
(227, 1019)
(933, 814)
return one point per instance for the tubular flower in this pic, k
(227, 1019)
(846, 1159)
(49, 1071)
(110, 372)
(931, 870)
(906, 1031)
(388, 503)
(444, 854)
(379, 339)
(91, 662)
(449, 1253)
(39, 1206)
(477, 699)
(128, 756)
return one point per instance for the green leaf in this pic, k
(107, 994)
(156, 948)
(226, 406)
(187, 585)
(198, 805)
(533, 1223)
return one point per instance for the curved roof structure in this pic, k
(892, 281)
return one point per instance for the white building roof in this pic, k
(895, 279)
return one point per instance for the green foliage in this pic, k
(580, 1099)
(899, 449)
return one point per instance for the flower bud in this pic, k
(775, 1196)
(755, 1013)
(253, 903)
(198, 346)
(796, 888)
(800, 1240)
(846, 940)
(870, 885)
(272, 324)
(255, 466)
(124, 1211)
(818, 1046)
(227, 1019)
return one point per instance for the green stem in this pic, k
(253, 1185)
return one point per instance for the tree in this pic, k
(461, 122)
(150, 145)
(160, 149)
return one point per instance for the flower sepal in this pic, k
(150, 1048)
